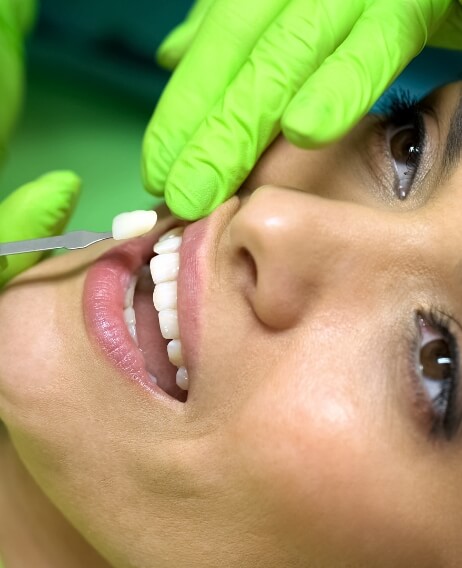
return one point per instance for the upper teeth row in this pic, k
(164, 270)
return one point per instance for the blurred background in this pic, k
(92, 84)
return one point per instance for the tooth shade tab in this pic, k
(164, 267)
(133, 224)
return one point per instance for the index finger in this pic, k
(350, 81)
(222, 45)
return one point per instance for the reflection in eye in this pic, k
(405, 138)
(438, 368)
(405, 146)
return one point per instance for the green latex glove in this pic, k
(43, 207)
(40, 208)
(179, 40)
(312, 68)
(16, 18)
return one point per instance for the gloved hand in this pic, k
(16, 18)
(43, 207)
(40, 208)
(312, 68)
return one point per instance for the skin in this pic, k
(306, 438)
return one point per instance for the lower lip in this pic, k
(103, 303)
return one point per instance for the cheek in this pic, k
(304, 449)
(328, 474)
(35, 364)
(26, 348)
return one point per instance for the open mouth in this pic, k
(135, 325)
(151, 316)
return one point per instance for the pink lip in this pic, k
(198, 250)
(103, 301)
(190, 289)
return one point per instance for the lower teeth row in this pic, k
(164, 270)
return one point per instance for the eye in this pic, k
(438, 368)
(405, 144)
(404, 137)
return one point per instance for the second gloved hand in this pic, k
(312, 68)
(40, 208)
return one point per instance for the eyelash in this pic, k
(400, 108)
(442, 411)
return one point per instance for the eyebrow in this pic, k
(453, 149)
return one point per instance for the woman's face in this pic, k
(319, 317)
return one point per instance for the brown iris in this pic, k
(435, 360)
(404, 147)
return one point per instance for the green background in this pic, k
(91, 88)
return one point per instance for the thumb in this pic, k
(175, 45)
(40, 208)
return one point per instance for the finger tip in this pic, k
(47, 203)
(312, 126)
(172, 49)
(187, 204)
(166, 60)
(151, 171)
(62, 188)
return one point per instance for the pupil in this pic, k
(435, 360)
(404, 145)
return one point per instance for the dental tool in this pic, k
(124, 226)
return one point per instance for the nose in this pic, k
(302, 249)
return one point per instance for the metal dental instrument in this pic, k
(72, 240)
(124, 226)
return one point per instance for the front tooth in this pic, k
(165, 296)
(168, 245)
(176, 232)
(133, 224)
(182, 379)
(175, 354)
(164, 267)
(168, 322)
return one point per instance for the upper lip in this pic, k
(198, 254)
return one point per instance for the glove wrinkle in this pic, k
(192, 93)
(313, 67)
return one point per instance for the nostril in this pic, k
(251, 266)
